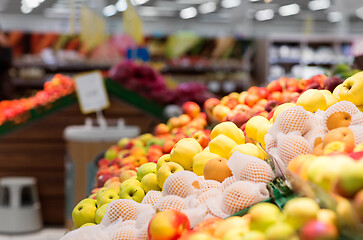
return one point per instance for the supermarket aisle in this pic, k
(45, 234)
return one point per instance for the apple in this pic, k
(327, 216)
(230, 130)
(358, 204)
(253, 235)
(277, 96)
(101, 211)
(351, 179)
(312, 100)
(231, 223)
(106, 197)
(281, 230)
(168, 225)
(111, 180)
(116, 186)
(351, 89)
(129, 182)
(127, 174)
(248, 149)
(145, 169)
(209, 225)
(342, 134)
(163, 159)
(184, 151)
(123, 142)
(274, 86)
(271, 104)
(316, 230)
(239, 118)
(166, 170)
(332, 82)
(111, 154)
(168, 145)
(300, 211)
(150, 182)
(132, 192)
(201, 138)
(191, 109)
(335, 146)
(184, 120)
(146, 137)
(254, 124)
(220, 112)
(101, 179)
(242, 96)
(264, 215)
(209, 105)
(251, 100)
(161, 129)
(199, 161)
(253, 90)
(87, 225)
(329, 97)
(196, 235)
(222, 145)
(83, 213)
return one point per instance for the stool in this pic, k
(19, 205)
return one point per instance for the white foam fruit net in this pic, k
(144, 217)
(358, 133)
(270, 142)
(124, 209)
(180, 184)
(228, 181)
(142, 233)
(204, 196)
(170, 202)
(357, 119)
(95, 232)
(243, 194)
(195, 215)
(292, 145)
(249, 168)
(342, 106)
(314, 134)
(207, 185)
(125, 233)
(152, 197)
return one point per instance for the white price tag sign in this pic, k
(91, 92)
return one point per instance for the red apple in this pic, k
(103, 163)
(253, 90)
(202, 115)
(208, 225)
(202, 139)
(209, 105)
(274, 86)
(276, 96)
(101, 179)
(168, 225)
(251, 100)
(239, 118)
(316, 230)
(262, 92)
(184, 120)
(173, 123)
(232, 103)
(358, 156)
(168, 145)
(191, 109)
(161, 129)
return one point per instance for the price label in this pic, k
(91, 92)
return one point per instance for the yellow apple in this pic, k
(199, 161)
(101, 211)
(87, 224)
(130, 181)
(230, 130)
(222, 146)
(281, 108)
(163, 159)
(264, 215)
(83, 213)
(248, 148)
(254, 124)
(184, 151)
(337, 90)
(150, 182)
(261, 132)
(312, 100)
(166, 170)
(300, 211)
(231, 223)
(329, 97)
(107, 197)
(352, 89)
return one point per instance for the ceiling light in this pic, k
(316, 5)
(289, 10)
(30, 3)
(25, 9)
(138, 2)
(187, 13)
(253, 0)
(207, 7)
(359, 13)
(230, 3)
(264, 15)
(121, 5)
(335, 16)
(109, 11)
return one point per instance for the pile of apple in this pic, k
(301, 218)
(54, 89)
(261, 101)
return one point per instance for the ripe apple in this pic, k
(184, 120)
(209, 225)
(83, 213)
(220, 112)
(107, 197)
(264, 215)
(222, 145)
(239, 118)
(196, 235)
(254, 124)
(351, 179)
(116, 186)
(168, 145)
(300, 211)
(163, 159)
(352, 89)
(161, 129)
(230, 130)
(191, 109)
(253, 235)
(312, 100)
(127, 174)
(247, 148)
(101, 179)
(150, 182)
(331, 83)
(132, 192)
(111, 180)
(329, 97)
(168, 225)
(123, 142)
(202, 138)
(231, 223)
(274, 86)
(251, 100)
(184, 151)
(166, 170)
(277, 96)
(199, 161)
(101, 211)
(281, 230)
(129, 182)
(145, 169)
(327, 216)
(335, 146)
(242, 96)
(253, 90)
(111, 154)
(271, 104)
(209, 105)
(343, 134)
(316, 230)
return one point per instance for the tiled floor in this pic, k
(44, 234)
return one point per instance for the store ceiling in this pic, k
(256, 10)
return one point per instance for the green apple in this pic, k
(133, 192)
(166, 170)
(144, 169)
(351, 178)
(146, 137)
(150, 182)
(300, 211)
(107, 197)
(101, 211)
(89, 200)
(163, 159)
(129, 182)
(253, 235)
(87, 224)
(84, 213)
(280, 231)
(111, 154)
(99, 193)
(123, 142)
(264, 215)
(352, 89)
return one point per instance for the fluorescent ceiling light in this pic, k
(335, 16)
(264, 15)
(207, 7)
(187, 13)
(121, 5)
(230, 3)
(316, 5)
(359, 13)
(109, 11)
(253, 0)
(138, 2)
(289, 10)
